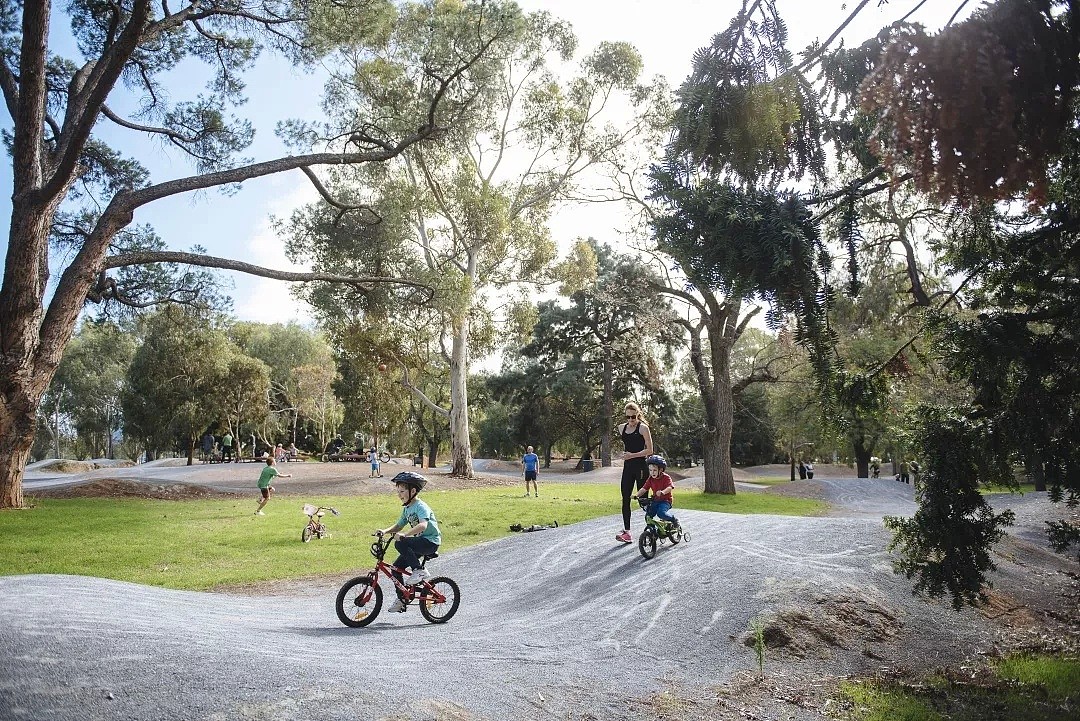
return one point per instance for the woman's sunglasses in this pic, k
(632, 417)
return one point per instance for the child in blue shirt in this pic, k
(422, 538)
(530, 464)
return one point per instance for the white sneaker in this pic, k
(418, 576)
(259, 513)
(398, 606)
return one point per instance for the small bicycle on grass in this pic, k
(315, 526)
(360, 599)
(658, 531)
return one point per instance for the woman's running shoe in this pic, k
(624, 537)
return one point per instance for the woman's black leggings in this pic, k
(634, 472)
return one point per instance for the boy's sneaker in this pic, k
(259, 513)
(624, 537)
(418, 576)
(398, 606)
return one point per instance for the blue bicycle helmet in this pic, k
(657, 460)
(413, 480)
(409, 478)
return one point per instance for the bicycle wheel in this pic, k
(431, 608)
(384, 457)
(305, 536)
(675, 535)
(647, 543)
(358, 602)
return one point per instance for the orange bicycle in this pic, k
(360, 599)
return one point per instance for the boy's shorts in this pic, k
(530, 475)
(265, 492)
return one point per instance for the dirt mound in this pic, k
(64, 465)
(113, 488)
(849, 621)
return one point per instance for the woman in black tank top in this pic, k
(637, 440)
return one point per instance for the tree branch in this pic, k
(416, 391)
(208, 261)
(330, 200)
(83, 108)
(135, 199)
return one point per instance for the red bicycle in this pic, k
(360, 599)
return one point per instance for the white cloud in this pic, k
(262, 299)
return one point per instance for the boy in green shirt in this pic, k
(268, 474)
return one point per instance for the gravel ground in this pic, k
(563, 623)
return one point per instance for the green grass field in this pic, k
(204, 544)
(1035, 688)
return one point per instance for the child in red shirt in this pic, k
(661, 485)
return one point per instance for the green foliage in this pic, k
(984, 133)
(946, 545)
(175, 380)
(757, 627)
(745, 109)
(88, 385)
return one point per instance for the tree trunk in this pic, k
(719, 404)
(609, 410)
(862, 459)
(17, 422)
(460, 443)
(433, 452)
(717, 442)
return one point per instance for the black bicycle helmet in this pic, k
(415, 480)
(656, 460)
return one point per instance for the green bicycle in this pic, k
(657, 531)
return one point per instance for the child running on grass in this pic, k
(422, 538)
(268, 474)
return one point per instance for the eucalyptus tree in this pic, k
(244, 394)
(282, 348)
(317, 401)
(176, 381)
(88, 385)
(72, 188)
(613, 322)
(476, 205)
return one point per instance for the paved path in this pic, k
(552, 624)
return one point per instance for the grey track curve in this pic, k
(551, 623)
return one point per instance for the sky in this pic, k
(239, 226)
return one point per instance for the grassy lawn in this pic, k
(1040, 688)
(769, 480)
(208, 543)
(1021, 489)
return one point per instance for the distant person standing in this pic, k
(265, 489)
(208, 447)
(905, 476)
(530, 465)
(810, 470)
(637, 440)
(373, 459)
(226, 447)
(251, 440)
